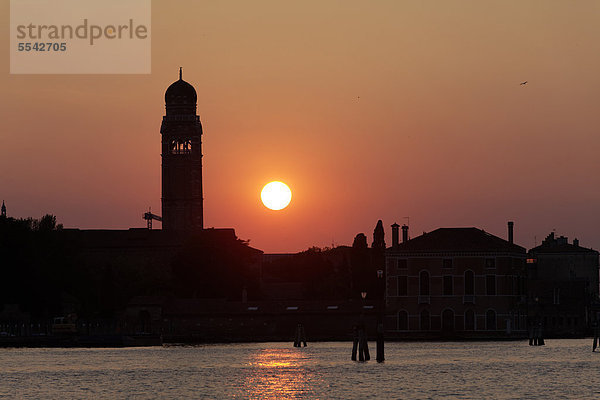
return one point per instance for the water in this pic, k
(502, 370)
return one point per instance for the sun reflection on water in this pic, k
(279, 373)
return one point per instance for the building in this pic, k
(181, 130)
(563, 286)
(455, 282)
(183, 257)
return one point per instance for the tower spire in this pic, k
(3, 210)
(180, 74)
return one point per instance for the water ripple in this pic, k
(499, 370)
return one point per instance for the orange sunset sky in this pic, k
(367, 109)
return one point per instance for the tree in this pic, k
(211, 265)
(378, 237)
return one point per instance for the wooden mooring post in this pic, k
(354, 342)
(596, 331)
(380, 343)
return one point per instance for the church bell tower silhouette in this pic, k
(181, 130)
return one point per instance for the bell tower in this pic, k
(181, 132)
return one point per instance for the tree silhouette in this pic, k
(215, 266)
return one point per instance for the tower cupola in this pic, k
(180, 97)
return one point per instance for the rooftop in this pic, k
(458, 240)
(560, 245)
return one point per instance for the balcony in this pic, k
(468, 299)
(424, 299)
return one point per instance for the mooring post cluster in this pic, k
(300, 336)
(536, 335)
(360, 342)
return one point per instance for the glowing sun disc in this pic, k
(276, 195)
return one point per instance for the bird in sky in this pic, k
(523, 83)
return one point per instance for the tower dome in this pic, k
(180, 97)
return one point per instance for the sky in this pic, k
(404, 111)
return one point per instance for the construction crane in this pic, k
(148, 216)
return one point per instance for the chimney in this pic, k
(510, 232)
(404, 233)
(395, 235)
(576, 242)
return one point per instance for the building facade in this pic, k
(563, 286)
(455, 282)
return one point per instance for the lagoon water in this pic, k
(472, 370)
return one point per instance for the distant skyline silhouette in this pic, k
(367, 112)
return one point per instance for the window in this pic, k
(447, 263)
(556, 296)
(181, 146)
(469, 320)
(402, 263)
(425, 326)
(490, 320)
(447, 321)
(402, 320)
(424, 283)
(469, 283)
(402, 285)
(490, 285)
(447, 285)
(490, 263)
(518, 262)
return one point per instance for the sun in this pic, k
(276, 195)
